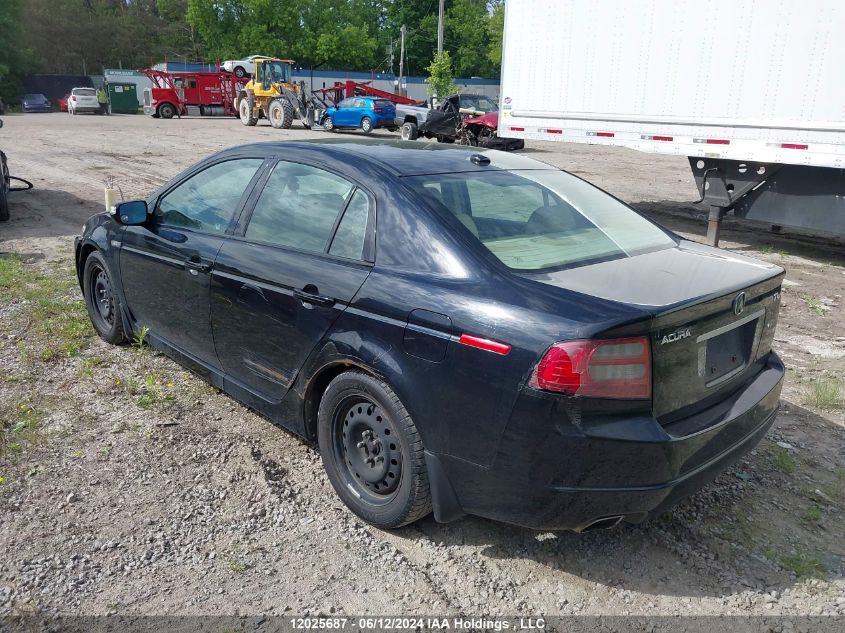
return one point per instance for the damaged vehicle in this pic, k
(466, 119)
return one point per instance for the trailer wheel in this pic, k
(409, 131)
(280, 114)
(166, 111)
(246, 110)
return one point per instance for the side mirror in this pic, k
(131, 213)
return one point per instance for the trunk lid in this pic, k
(713, 314)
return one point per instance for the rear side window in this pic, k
(298, 207)
(208, 200)
(350, 239)
(534, 220)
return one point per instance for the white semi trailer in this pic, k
(752, 91)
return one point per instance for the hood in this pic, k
(491, 120)
(664, 278)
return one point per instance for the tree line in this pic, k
(85, 36)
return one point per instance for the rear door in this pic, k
(306, 249)
(165, 264)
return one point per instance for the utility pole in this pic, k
(440, 27)
(402, 59)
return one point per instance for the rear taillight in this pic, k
(613, 368)
(73, 98)
(376, 109)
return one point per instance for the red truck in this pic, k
(183, 93)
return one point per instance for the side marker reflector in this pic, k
(485, 344)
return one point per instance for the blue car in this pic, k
(36, 103)
(364, 113)
(459, 330)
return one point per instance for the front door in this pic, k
(165, 264)
(277, 289)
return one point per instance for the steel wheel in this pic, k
(101, 300)
(365, 442)
(372, 451)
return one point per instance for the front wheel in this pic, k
(366, 125)
(280, 114)
(101, 300)
(328, 124)
(246, 112)
(240, 73)
(372, 452)
(166, 111)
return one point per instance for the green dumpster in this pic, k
(122, 98)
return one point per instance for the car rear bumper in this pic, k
(551, 473)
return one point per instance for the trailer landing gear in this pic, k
(723, 183)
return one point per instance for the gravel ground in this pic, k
(129, 486)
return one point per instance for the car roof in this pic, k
(401, 158)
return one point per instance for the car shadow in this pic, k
(744, 532)
(39, 213)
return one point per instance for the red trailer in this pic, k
(341, 90)
(182, 93)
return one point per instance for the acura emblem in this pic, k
(739, 303)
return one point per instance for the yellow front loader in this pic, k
(271, 94)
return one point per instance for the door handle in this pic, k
(309, 295)
(195, 267)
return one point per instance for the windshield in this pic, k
(279, 72)
(478, 102)
(534, 220)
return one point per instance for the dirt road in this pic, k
(127, 485)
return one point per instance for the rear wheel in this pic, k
(101, 300)
(166, 111)
(372, 452)
(247, 112)
(409, 131)
(366, 125)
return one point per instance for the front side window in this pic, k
(208, 200)
(535, 220)
(298, 207)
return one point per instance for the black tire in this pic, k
(409, 131)
(375, 462)
(4, 189)
(246, 111)
(101, 300)
(280, 114)
(366, 125)
(240, 73)
(166, 111)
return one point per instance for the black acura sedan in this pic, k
(463, 331)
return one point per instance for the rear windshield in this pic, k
(34, 97)
(84, 92)
(382, 103)
(534, 220)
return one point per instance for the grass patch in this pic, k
(805, 564)
(20, 427)
(51, 311)
(153, 391)
(814, 304)
(783, 460)
(824, 393)
(235, 558)
(813, 515)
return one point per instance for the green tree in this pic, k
(441, 81)
(14, 58)
(467, 37)
(496, 36)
